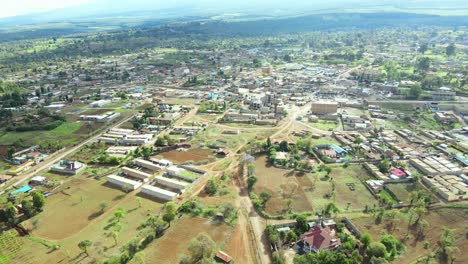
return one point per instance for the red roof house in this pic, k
(320, 238)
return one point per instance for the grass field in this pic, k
(63, 132)
(325, 125)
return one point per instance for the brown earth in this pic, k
(274, 181)
(169, 248)
(193, 154)
(452, 218)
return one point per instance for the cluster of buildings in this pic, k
(331, 152)
(104, 118)
(125, 137)
(170, 181)
(24, 159)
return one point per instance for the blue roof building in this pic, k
(339, 150)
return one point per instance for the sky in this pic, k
(21, 7)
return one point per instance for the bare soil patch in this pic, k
(193, 154)
(174, 243)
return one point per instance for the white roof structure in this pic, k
(147, 164)
(136, 173)
(121, 181)
(158, 192)
(171, 183)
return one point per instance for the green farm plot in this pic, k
(403, 191)
(63, 132)
(324, 140)
(325, 125)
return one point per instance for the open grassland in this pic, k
(325, 125)
(64, 132)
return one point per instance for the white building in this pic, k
(100, 103)
(158, 192)
(147, 164)
(121, 181)
(136, 173)
(171, 183)
(100, 118)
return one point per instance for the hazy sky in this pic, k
(19, 7)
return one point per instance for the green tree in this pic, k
(10, 214)
(265, 197)
(251, 182)
(366, 239)
(84, 246)
(169, 217)
(415, 91)
(447, 242)
(250, 169)
(201, 249)
(146, 151)
(302, 225)
(423, 64)
(450, 49)
(423, 48)
(384, 166)
(38, 200)
(119, 214)
(28, 208)
(331, 208)
(283, 146)
(376, 249)
(11, 151)
(211, 186)
(103, 205)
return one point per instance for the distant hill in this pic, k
(138, 11)
(226, 26)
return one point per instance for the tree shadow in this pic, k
(95, 215)
(118, 197)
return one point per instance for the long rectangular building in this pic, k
(121, 181)
(147, 164)
(171, 183)
(136, 173)
(158, 192)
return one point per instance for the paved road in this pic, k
(59, 156)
